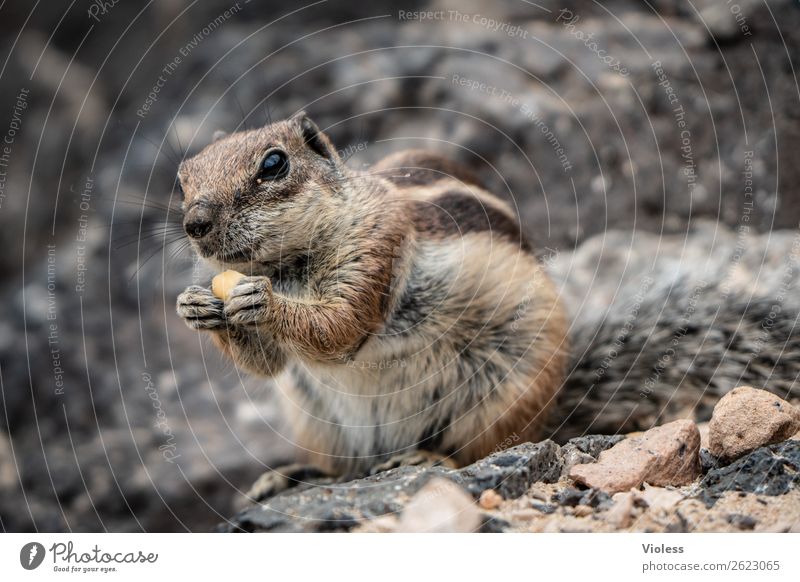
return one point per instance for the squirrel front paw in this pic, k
(249, 302)
(200, 309)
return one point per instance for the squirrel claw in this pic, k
(280, 479)
(413, 458)
(249, 301)
(200, 309)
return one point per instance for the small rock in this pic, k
(572, 457)
(592, 445)
(621, 513)
(546, 508)
(659, 499)
(664, 455)
(746, 419)
(707, 461)
(596, 498)
(490, 499)
(582, 510)
(440, 506)
(569, 496)
(585, 449)
(745, 522)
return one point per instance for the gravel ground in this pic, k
(531, 492)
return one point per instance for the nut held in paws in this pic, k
(223, 284)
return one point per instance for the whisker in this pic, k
(129, 240)
(160, 150)
(243, 122)
(148, 233)
(149, 238)
(175, 254)
(181, 151)
(152, 205)
(161, 248)
(143, 221)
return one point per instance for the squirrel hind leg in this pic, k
(414, 458)
(282, 478)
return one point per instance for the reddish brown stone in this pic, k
(664, 455)
(747, 418)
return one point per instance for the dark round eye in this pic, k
(275, 165)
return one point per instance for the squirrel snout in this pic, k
(198, 221)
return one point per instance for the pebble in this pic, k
(659, 499)
(621, 513)
(747, 418)
(440, 506)
(490, 499)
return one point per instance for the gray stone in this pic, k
(585, 449)
(593, 444)
(772, 470)
(707, 461)
(571, 497)
(340, 507)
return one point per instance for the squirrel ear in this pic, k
(218, 135)
(313, 136)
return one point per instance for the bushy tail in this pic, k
(669, 349)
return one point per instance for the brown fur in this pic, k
(403, 305)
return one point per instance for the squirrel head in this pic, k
(263, 195)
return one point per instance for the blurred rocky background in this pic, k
(588, 117)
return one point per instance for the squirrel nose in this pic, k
(198, 223)
(198, 228)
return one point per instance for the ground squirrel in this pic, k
(401, 310)
(406, 319)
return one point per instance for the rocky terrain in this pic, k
(115, 417)
(736, 476)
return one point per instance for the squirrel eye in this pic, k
(275, 165)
